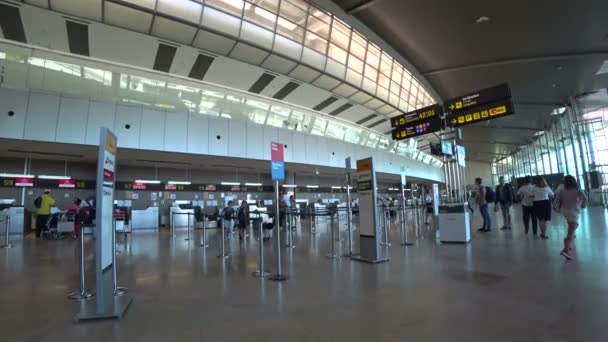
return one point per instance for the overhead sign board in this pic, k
(421, 128)
(277, 163)
(461, 154)
(482, 113)
(417, 116)
(480, 97)
(106, 174)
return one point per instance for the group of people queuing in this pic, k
(82, 212)
(538, 201)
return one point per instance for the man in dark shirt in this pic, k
(504, 196)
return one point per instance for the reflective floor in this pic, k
(500, 287)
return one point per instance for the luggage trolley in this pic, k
(59, 224)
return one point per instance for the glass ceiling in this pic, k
(295, 29)
(39, 69)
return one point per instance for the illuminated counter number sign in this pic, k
(421, 115)
(482, 113)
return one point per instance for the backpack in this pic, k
(227, 214)
(241, 216)
(38, 202)
(490, 195)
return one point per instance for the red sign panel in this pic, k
(67, 183)
(170, 187)
(23, 181)
(210, 188)
(276, 152)
(139, 186)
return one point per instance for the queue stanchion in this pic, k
(404, 241)
(188, 226)
(332, 254)
(224, 254)
(279, 276)
(118, 290)
(83, 292)
(172, 226)
(204, 243)
(349, 216)
(386, 231)
(260, 273)
(7, 226)
(313, 216)
(289, 243)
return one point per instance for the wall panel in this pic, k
(73, 115)
(218, 137)
(101, 114)
(255, 139)
(198, 134)
(152, 132)
(42, 113)
(128, 125)
(237, 139)
(176, 131)
(16, 102)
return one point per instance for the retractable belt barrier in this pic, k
(83, 292)
(7, 226)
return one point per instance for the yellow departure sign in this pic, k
(417, 116)
(478, 98)
(481, 113)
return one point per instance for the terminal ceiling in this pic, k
(548, 51)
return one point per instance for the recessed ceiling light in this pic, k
(539, 133)
(558, 111)
(482, 19)
(603, 68)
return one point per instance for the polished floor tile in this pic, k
(503, 286)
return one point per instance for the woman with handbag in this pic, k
(569, 199)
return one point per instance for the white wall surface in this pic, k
(56, 118)
(476, 169)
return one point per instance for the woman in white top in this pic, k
(542, 204)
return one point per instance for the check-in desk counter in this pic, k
(144, 219)
(16, 217)
(179, 217)
(454, 224)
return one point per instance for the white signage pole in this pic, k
(107, 305)
(369, 230)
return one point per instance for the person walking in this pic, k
(504, 197)
(428, 203)
(75, 210)
(242, 217)
(43, 205)
(481, 199)
(569, 199)
(542, 204)
(526, 196)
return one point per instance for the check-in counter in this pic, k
(16, 217)
(179, 217)
(454, 223)
(144, 219)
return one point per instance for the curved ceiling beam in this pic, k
(517, 61)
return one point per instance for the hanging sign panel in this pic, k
(421, 128)
(418, 116)
(106, 175)
(482, 113)
(478, 98)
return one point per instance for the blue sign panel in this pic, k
(278, 170)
